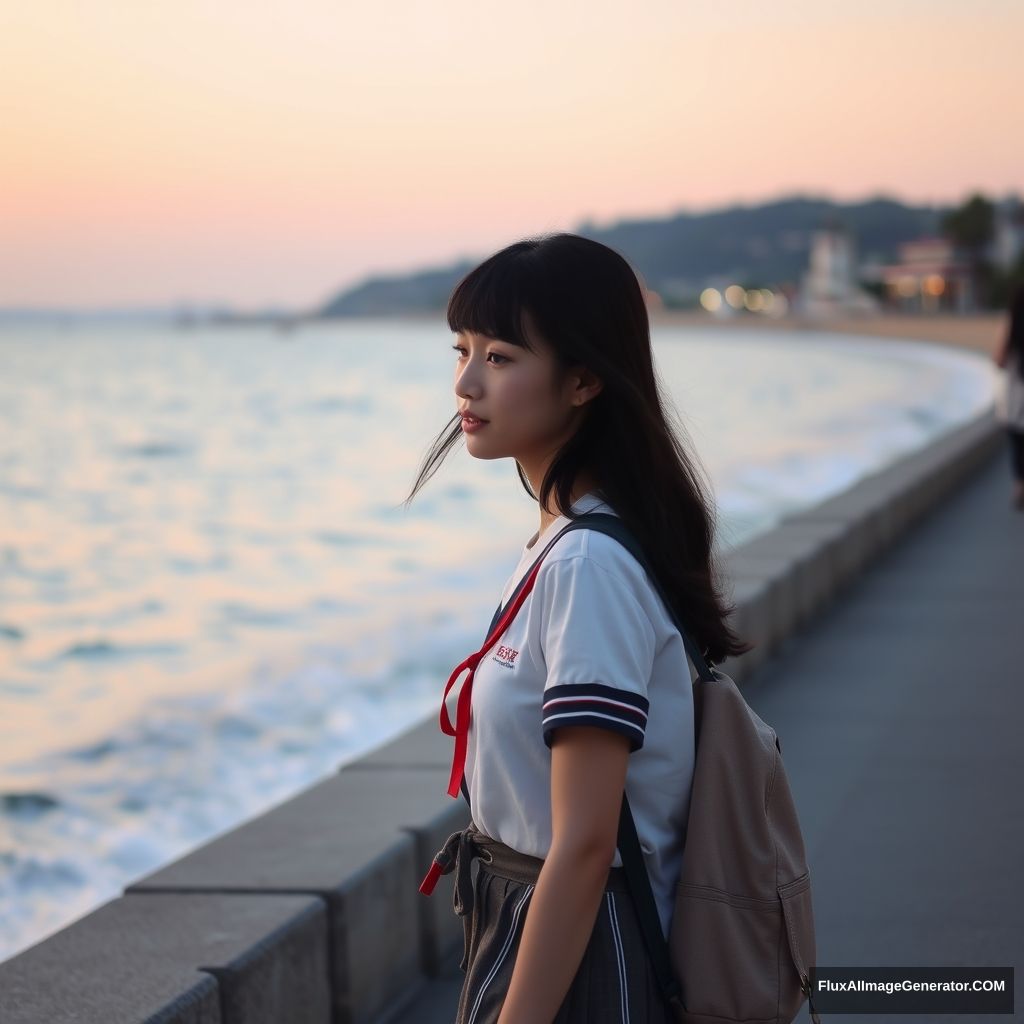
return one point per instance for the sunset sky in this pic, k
(258, 153)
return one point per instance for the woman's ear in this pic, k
(584, 385)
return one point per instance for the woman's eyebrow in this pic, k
(486, 339)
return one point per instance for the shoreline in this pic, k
(980, 332)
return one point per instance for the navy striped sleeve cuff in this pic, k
(607, 707)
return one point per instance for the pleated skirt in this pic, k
(614, 982)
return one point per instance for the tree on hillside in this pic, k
(971, 227)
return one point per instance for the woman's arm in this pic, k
(588, 775)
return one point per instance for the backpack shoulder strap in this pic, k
(639, 883)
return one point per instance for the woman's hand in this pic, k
(588, 775)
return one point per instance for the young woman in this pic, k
(588, 690)
(1011, 406)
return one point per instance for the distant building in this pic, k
(830, 286)
(1008, 234)
(930, 277)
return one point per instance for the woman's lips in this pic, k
(470, 424)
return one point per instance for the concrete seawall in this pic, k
(310, 913)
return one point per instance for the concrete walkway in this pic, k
(899, 711)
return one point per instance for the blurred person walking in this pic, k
(1010, 407)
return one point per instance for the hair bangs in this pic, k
(494, 299)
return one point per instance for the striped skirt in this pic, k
(614, 981)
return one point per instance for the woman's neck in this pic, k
(583, 485)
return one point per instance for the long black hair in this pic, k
(586, 302)
(1017, 327)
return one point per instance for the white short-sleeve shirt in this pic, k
(592, 644)
(1010, 395)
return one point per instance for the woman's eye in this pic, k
(504, 359)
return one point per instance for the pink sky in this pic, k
(257, 154)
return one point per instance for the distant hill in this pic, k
(756, 246)
(425, 290)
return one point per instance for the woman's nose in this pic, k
(467, 383)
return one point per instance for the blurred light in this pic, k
(779, 306)
(711, 299)
(734, 295)
(754, 300)
(934, 284)
(907, 286)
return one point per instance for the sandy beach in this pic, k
(982, 332)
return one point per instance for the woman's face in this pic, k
(513, 390)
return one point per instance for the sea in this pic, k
(212, 594)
